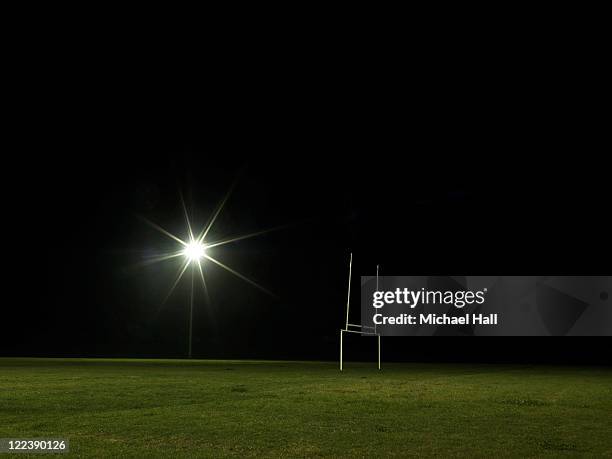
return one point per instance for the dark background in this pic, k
(461, 167)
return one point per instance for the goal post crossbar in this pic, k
(362, 326)
(358, 332)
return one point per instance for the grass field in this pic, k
(144, 408)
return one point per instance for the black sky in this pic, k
(441, 172)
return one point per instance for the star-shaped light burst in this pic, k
(195, 249)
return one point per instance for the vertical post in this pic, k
(377, 266)
(348, 297)
(375, 331)
(348, 305)
(379, 352)
(191, 312)
(341, 334)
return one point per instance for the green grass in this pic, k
(144, 408)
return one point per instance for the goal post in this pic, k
(362, 330)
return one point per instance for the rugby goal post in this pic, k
(355, 328)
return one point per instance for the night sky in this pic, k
(436, 180)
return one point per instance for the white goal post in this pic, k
(354, 328)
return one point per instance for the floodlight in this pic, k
(194, 252)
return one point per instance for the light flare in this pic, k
(195, 249)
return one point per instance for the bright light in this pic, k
(194, 251)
